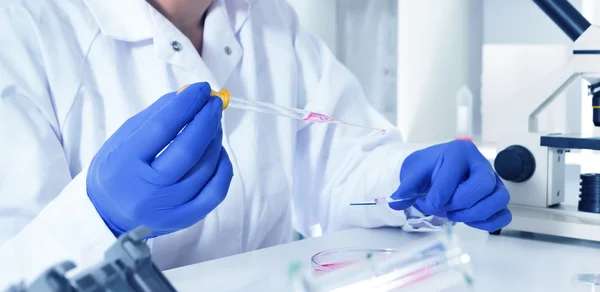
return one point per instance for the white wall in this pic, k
(518, 29)
(439, 51)
(508, 69)
(520, 21)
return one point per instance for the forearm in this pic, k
(68, 228)
(370, 170)
(356, 168)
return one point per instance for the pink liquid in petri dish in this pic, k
(321, 118)
(332, 266)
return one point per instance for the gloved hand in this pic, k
(459, 183)
(130, 185)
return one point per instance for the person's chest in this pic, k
(119, 79)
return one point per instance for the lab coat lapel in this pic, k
(172, 46)
(122, 20)
(221, 50)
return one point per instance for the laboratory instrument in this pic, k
(277, 110)
(330, 260)
(127, 267)
(437, 263)
(531, 163)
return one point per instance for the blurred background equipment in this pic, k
(127, 267)
(414, 57)
(531, 162)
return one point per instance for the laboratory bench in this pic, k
(512, 261)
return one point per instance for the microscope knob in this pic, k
(515, 164)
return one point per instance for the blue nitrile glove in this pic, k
(459, 183)
(130, 186)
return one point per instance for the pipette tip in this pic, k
(321, 118)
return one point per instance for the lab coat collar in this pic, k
(125, 20)
(132, 21)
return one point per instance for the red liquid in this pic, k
(332, 266)
(317, 118)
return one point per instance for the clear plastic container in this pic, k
(437, 263)
(334, 259)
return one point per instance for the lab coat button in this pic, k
(176, 46)
(228, 51)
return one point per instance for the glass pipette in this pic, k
(276, 110)
(384, 200)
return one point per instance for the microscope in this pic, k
(532, 164)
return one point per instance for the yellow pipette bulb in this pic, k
(223, 94)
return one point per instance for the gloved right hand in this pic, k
(460, 184)
(130, 185)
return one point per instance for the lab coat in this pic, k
(72, 71)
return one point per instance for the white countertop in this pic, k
(513, 261)
(510, 262)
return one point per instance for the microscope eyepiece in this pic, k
(565, 16)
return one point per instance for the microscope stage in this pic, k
(570, 142)
(562, 220)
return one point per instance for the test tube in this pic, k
(464, 114)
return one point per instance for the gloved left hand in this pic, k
(460, 184)
(151, 172)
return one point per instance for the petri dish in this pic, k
(330, 260)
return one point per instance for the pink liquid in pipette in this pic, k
(381, 200)
(318, 118)
(321, 118)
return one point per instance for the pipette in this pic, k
(384, 200)
(276, 110)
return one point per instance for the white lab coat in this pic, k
(72, 71)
